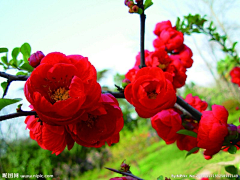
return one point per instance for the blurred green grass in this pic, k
(149, 157)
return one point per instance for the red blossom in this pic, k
(178, 72)
(35, 59)
(185, 55)
(235, 75)
(99, 125)
(52, 138)
(150, 92)
(212, 130)
(167, 123)
(162, 26)
(171, 38)
(196, 102)
(62, 87)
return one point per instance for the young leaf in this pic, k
(187, 132)
(231, 169)
(147, 4)
(2, 50)
(4, 60)
(25, 49)
(26, 67)
(4, 85)
(15, 52)
(232, 149)
(22, 73)
(192, 151)
(6, 102)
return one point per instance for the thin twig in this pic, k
(142, 35)
(17, 114)
(11, 78)
(191, 110)
(124, 173)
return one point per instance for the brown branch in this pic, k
(11, 78)
(124, 173)
(17, 114)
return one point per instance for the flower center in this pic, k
(60, 94)
(152, 95)
(91, 119)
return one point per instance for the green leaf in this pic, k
(6, 102)
(192, 151)
(15, 52)
(160, 178)
(231, 169)
(27, 67)
(25, 49)
(13, 62)
(232, 149)
(4, 60)
(147, 4)
(2, 50)
(140, 11)
(22, 73)
(4, 85)
(187, 132)
(233, 46)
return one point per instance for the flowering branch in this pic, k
(194, 112)
(17, 114)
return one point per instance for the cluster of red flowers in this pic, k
(64, 92)
(168, 122)
(170, 54)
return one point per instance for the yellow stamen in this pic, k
(60, 94)
(91, 120)
(152, 95)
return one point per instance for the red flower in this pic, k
(131, 74)
(187, 143)
(185, 55)
(158, 58)
(235, 74)
(167, 123)
(171, 38)
(162, 26)
(196, 102)
(178, 72)
(151, 92)
(212, 130)
(102, 124)
(62, 87)
(52, 138)
(35, 58)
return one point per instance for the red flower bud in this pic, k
(135, 8)
(130, 4)
(125, 167)
(35, 58)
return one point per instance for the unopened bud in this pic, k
(137, 1)
(125, 82)
(232, 131)
(125, 167)
(130, 10)
(135, 8)
(35, 59)
(130, 4)
(125, 2)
